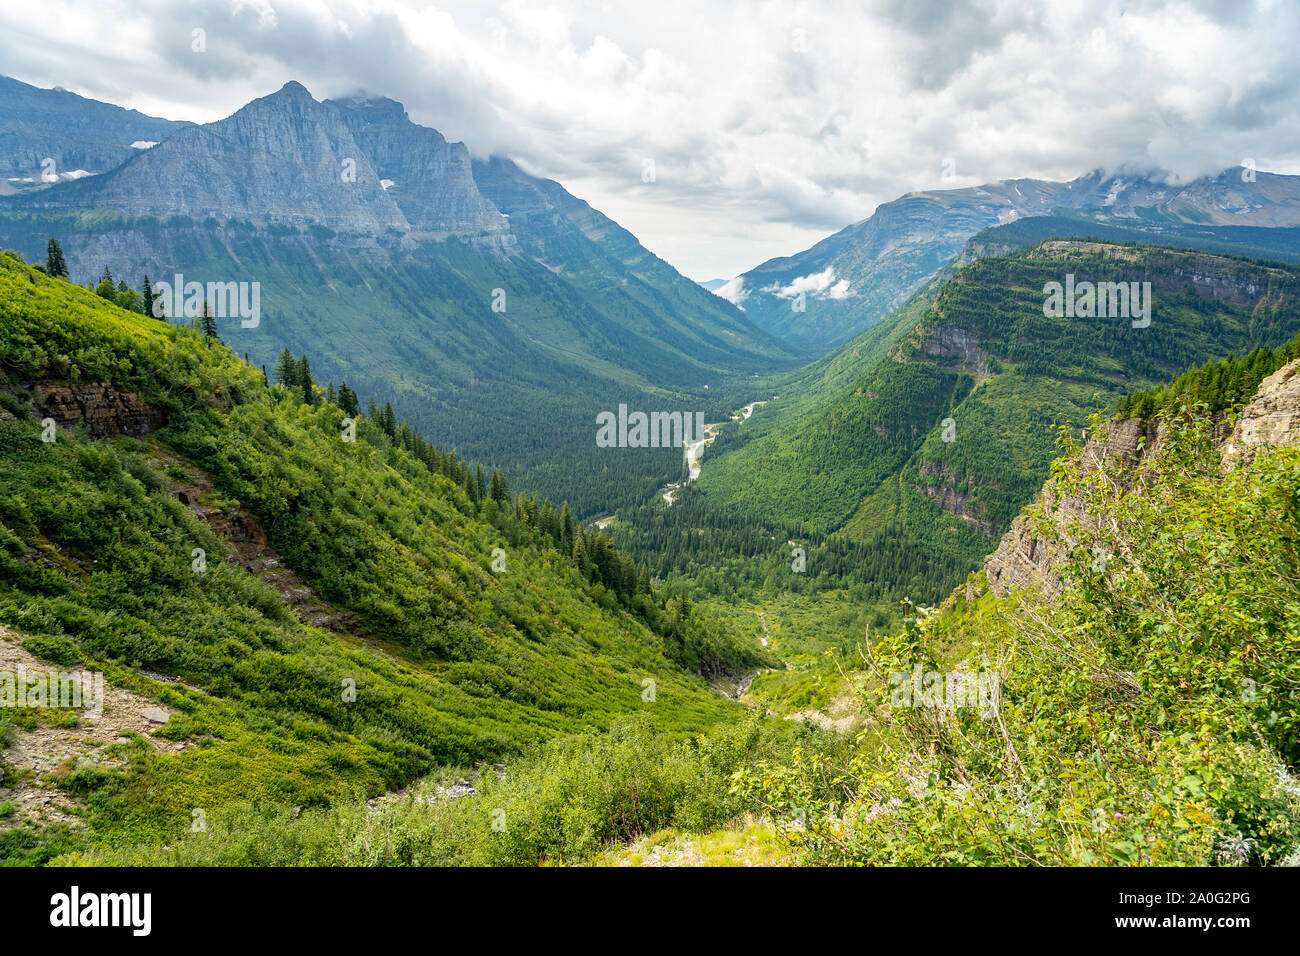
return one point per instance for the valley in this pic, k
(364, 591)
(694, 450)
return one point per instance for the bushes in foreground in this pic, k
(565, 803)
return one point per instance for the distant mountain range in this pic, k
(498, 312)
(54, 135)
(829, 293)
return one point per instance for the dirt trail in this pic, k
(45, 750)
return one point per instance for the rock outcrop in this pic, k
(1272, 418)
(1025, 558)
(101, 409)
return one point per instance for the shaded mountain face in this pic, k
(496, 311)
(78, 135)
(283, 159)
(829, 293)
(948, 427)
(581, 244)
(430, 180)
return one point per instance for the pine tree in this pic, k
(547, 523)
(147, 291)
(480, 486)
(304, 380)
(390, 421)
(207, 324)
(348, 400)
(286, 369)
(566, 526)
(54, 264)
(499, 492)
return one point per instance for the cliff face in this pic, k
(101, 409)
(1024, 558)
(430, 179)
(1273, 418)
(74, 132)
(283, 159)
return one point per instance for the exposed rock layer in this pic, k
(1024, 558)
(101, 409)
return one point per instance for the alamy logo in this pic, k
(74, 689)
(950, 691)
(72, 909)
(1101, 300)
(655, 430)
(228, 300)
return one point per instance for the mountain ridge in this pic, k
(855, 277)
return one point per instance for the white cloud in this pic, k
(770, 125)
(820, 285)
(733, 291)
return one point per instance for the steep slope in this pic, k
(76, 133)
(319, 616)
(583, 245)
(862, 273)
(502, 330)
(927, 455)
(283, 159)
(430, 179)
(1143, 714)
(1253, 402)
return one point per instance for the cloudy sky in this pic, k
(769, 124)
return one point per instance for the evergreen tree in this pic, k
(286, 369)
(390, 421)
(147, 291)
(304, 380)
(54, 264)
(208, 324)
(348, 400)
(547, 522)
(566, 526)
(499, 492)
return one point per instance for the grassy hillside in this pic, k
(451, 660)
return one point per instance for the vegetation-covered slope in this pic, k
(451, 660)
(924, 460)
(1146, 715)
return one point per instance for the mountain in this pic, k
(283, 615)
(282, 160)
(497, 311)
(713, 285)
(429, 179)
(862, 273)
(923, 438)
(79, 135)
